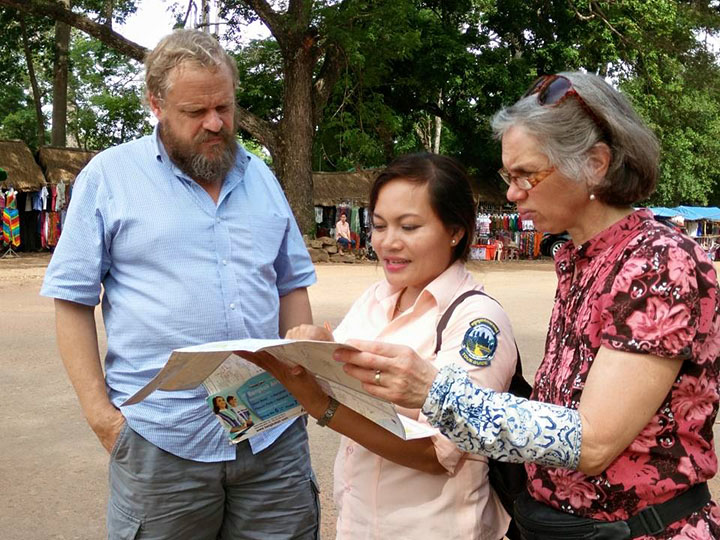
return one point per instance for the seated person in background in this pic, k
(342, 234)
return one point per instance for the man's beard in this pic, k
(190, 159)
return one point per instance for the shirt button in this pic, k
(349, 450)
(224, 262)
(218, 220)
(232, 306)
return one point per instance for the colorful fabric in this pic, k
(53, 228)
(642, 288)
(354, 219)
(11, 226)
(500, 425)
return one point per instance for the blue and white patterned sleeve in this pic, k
(500, 425)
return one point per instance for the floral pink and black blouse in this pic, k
(638, 287)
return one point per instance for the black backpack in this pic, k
(509, 480)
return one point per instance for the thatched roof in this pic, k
(63, 164)
(23, 173)
(331, 189)
(488, 191)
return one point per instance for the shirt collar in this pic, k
(603, 240)
(442, 290)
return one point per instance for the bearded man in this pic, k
(192, 240)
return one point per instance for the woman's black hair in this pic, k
(448, 184)
(216, 409)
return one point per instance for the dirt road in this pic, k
(53, 471)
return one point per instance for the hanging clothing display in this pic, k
(355, 220)
(53, 228)
(510, 230)
(529, 244)
(59, 197)
(44, 194)
(33, 220)
(11, 220)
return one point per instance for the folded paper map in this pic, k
(247, 400)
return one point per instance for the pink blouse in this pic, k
(638, 287)
(378, 499)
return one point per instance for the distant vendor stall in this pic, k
(699, 222)
(24, 178)
(61, 166)
(348, 193)
(499, 231)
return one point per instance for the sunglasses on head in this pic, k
(552, 90)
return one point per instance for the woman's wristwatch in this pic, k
(329, 412)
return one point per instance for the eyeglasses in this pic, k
(526, 181)
(552, 90)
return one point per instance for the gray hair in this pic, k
(182, 47)
(566, 133)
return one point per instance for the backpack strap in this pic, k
(508, 480)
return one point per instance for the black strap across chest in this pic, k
(518, 385)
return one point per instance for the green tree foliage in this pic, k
(471, 57)
(368, 79)
(105, 106)
(106, 96)
(17, 116)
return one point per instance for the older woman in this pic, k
(618, 438)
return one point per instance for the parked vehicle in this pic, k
(551, 243)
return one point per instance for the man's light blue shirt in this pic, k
(177, 269)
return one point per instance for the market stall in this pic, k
(699, 222)
(24, 181)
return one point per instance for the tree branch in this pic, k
(270, 18)
(327, 78)
(37, 100)
(191, 6)
(56, 11)
(299, 10)
(261, 129)
(596, 11)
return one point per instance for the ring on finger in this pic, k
(377, 376)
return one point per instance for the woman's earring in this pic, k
(592, 196)
(453, 242)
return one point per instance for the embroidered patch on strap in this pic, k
(480, 342)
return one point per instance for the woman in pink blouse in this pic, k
(385, 487)
(618, 437)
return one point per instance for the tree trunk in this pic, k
(204, 16)
(292, 153)
(438, 128)
(33, 83)
(108, 8)
(60, 12)
(60, 81)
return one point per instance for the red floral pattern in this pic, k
(638, 287)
